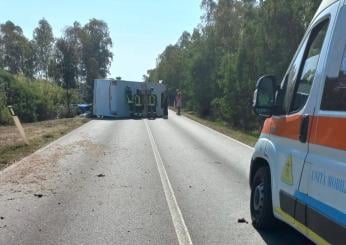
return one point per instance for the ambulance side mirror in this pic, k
(264, 96)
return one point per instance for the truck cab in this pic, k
(298, 169)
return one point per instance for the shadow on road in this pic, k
(126, 118)
(284, 234)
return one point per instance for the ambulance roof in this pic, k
(325, 4)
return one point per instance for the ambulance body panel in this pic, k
(303, 140)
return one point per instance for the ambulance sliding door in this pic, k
(290, 131)
(325, 175)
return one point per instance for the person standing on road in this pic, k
(178, 102)
(164, 104)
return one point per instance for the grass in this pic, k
(12, 147)
(249, 138)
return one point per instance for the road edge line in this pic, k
(181, 230)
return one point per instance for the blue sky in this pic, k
(140, 29)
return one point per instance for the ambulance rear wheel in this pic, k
(261, 205)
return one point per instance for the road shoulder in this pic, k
(40, 134)
(248, 138)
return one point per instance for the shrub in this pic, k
(32, 100)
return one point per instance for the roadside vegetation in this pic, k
(12, 147)
(33, 100)
(42, 77)
(217, 65)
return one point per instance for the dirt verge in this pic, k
(12, 147)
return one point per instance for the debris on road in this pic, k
(242, 220)
(101, 175)
(38, 195)
(1, 217)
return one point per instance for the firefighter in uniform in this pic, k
(138, 104)
(129, 99)
(152, 102)
(164, 104)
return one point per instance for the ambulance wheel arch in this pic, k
(271, 153)
(256, 164)
(263, 156)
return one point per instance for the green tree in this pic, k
(71, 41)
(96, 53)
(217, 66)
(43, 41)
(65, 68)
(17, 52)
(67, 61)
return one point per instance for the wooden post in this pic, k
(18, 125)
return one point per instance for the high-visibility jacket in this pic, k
(138, 100)
(129, 99)
(152, 100)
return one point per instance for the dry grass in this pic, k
(249, 138)
(12, 147)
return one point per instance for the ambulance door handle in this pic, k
(304, 129)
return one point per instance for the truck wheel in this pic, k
(261, 205)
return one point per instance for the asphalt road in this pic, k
(133, 182)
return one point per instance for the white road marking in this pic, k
(177, 217)
(217, 132)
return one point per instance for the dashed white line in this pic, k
(181, 230)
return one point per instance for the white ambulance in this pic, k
(298, 169)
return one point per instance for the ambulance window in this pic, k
(309, 65)
(334, 95)
(286, 92)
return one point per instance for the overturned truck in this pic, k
(125, 99)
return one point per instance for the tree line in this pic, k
(80, 55)
(217, 65)
(69, 62)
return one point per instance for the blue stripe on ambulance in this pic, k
(328, 211)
